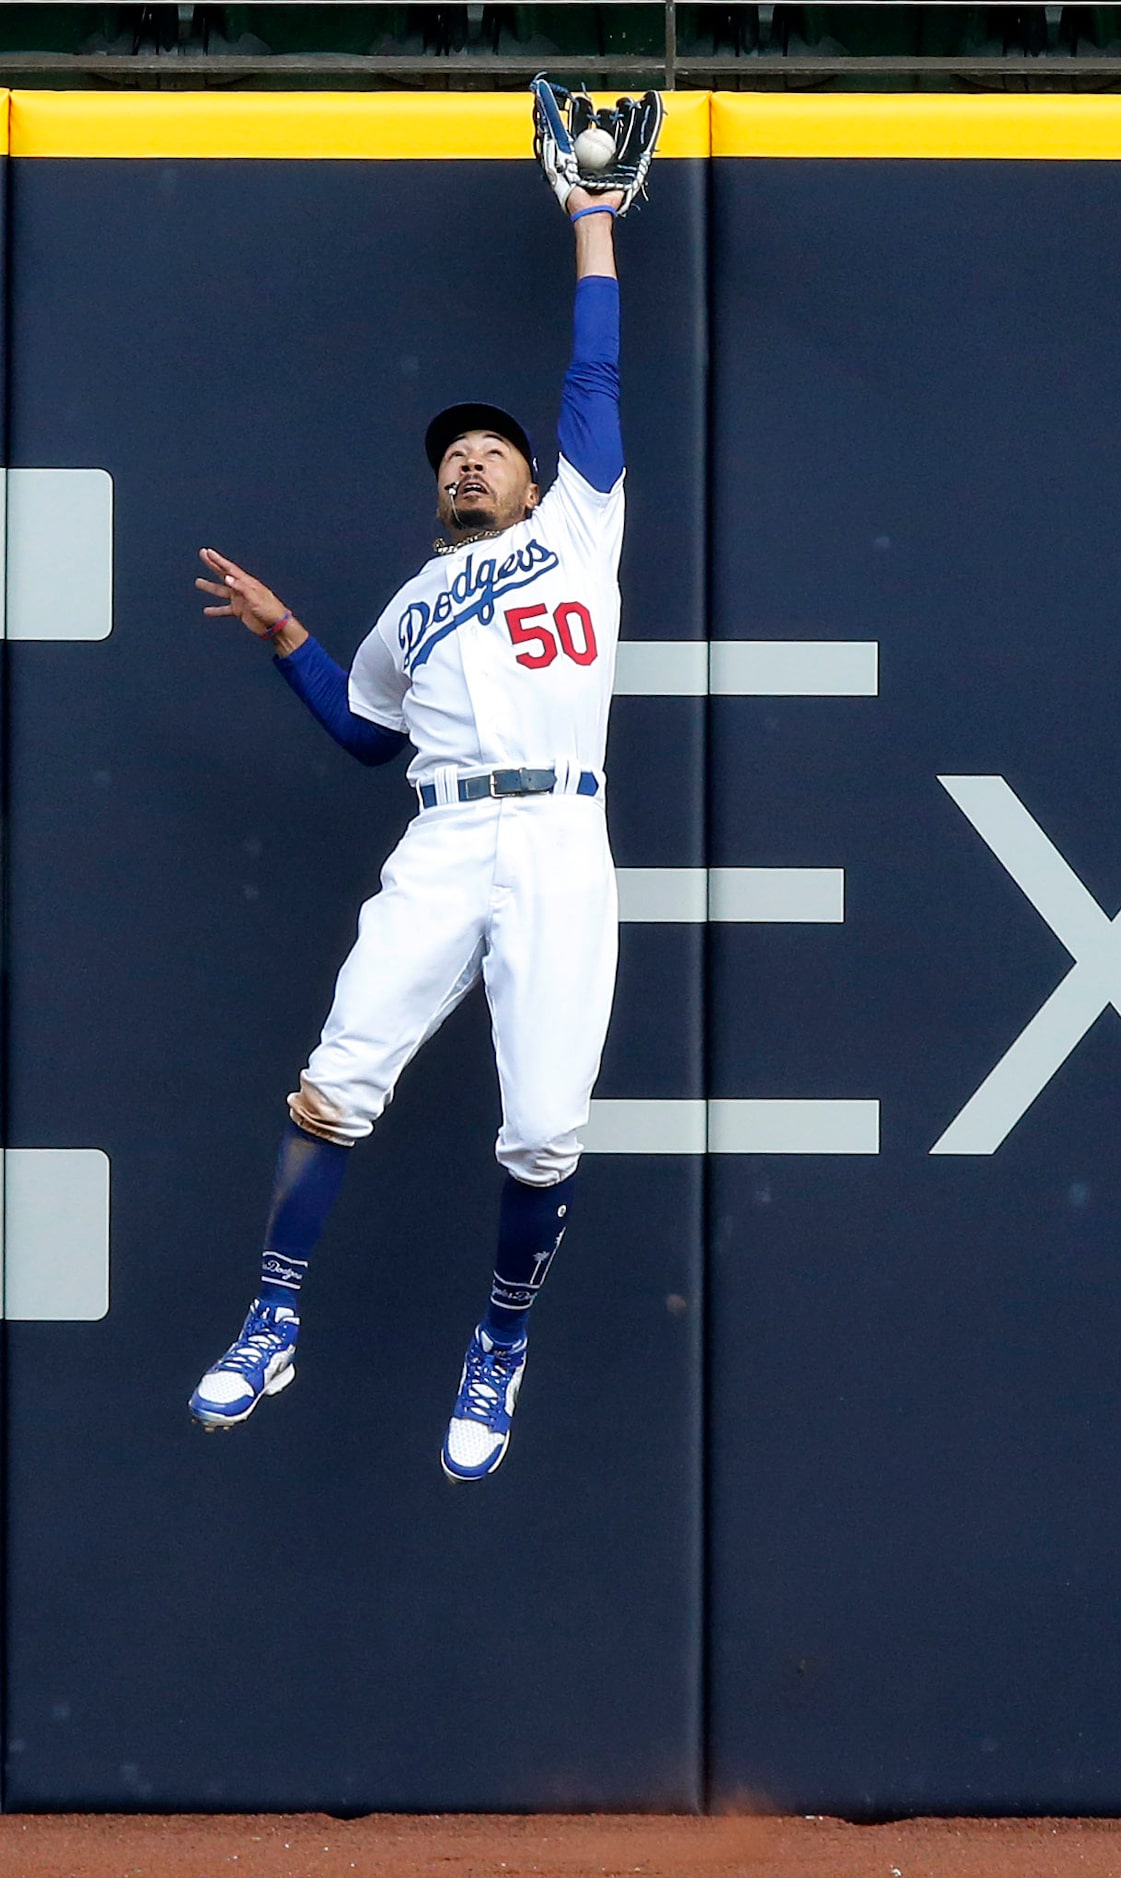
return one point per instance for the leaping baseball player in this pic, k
(495, 662)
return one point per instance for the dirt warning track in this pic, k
(550, 1846)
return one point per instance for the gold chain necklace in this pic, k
(440, 546)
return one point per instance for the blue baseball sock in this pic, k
(531, 1225)
(308, 1176)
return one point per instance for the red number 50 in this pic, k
(543, 639)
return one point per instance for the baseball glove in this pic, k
(560, 117)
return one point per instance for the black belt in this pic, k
(508, 782)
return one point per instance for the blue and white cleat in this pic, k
(261, 1362)
(479, 1431)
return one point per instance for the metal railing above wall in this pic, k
(881, 44)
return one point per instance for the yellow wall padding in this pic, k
(447, 125)
(840, 124)
(305, 124)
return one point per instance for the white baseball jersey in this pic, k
(501, 654)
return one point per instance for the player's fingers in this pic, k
(209, 586)
(220, 562)
(215, 612)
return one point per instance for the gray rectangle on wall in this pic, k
(59, 528)
(56, 1234)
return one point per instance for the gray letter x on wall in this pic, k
(1093, 982)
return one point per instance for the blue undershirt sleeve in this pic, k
(588, 432)
(312, 674)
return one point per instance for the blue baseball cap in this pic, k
(450, 424)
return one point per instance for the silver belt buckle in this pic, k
(508, 782)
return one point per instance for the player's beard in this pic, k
(475, 519)
(466, 522)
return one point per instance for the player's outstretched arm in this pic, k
(589, 432)
(596, 163)
(594, 229)
(308, 668)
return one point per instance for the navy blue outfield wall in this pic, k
(4, 773)
(185, 873)
(914, 1412)
(839, 1537)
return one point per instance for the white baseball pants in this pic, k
(522, 891)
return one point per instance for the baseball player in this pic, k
(495, 663)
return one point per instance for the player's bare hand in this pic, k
(246, 599)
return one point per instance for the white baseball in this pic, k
(595, 149)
